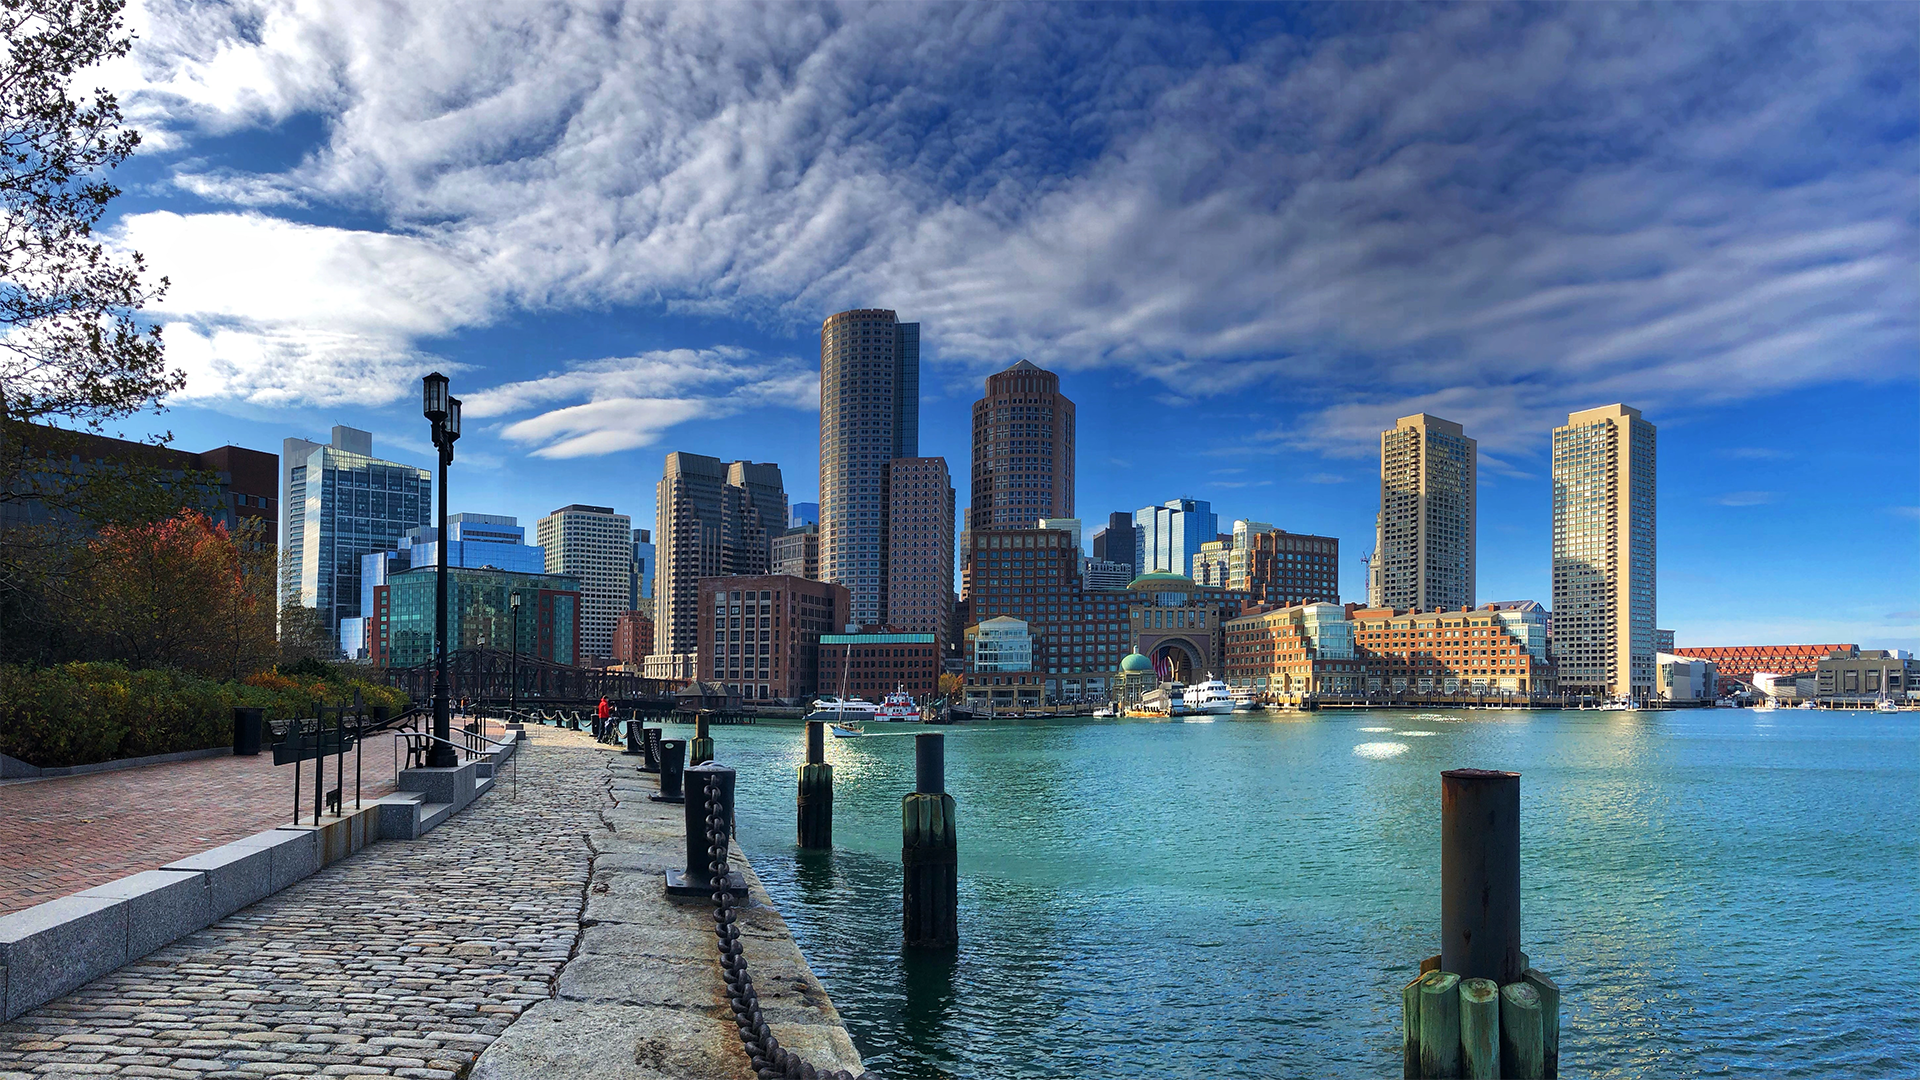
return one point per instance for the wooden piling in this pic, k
(929, 852)
(1522, 1055)
(700, 750)
(1440, 1026)
(1549, 992)
(1480, 1029)
(814, 805)
(1410, 1035)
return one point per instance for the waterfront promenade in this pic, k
(411, 958)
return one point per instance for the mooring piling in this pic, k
(700, 751)
(1479, 1009)
(650, 749)
(814, 804)
(633, 736)
(929, 855)
(673, 756)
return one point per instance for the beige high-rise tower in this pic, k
(1604, 553)
(1022, 450)
(869, 415)
(1423, 554)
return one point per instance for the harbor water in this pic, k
(1718, 892)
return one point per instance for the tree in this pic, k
(181, 593)
(72, 351)
(949, 684)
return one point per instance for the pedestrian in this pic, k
(600, 726)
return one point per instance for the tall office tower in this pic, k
(1213, 564)
(712, 518)
(1168, 536)
(640, 580)
(1022, 450)
(594, 544)
(1603, 552)
(474, 541)
(340, 503)
(1064, 524)
(869, 415)
(796, 552)
(1291, 568)
(805, 514)
(1424, 534)
(1119, 542)
(920, 549)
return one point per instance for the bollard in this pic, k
(633, 737)
(815, 803)
(930, 887)
(673, 755)
(650, 748)
(1480, 875)
(1479, 1029)
(696, 879)
(700, 751)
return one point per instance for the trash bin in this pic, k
(247, 724)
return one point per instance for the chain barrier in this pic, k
(771, 1061)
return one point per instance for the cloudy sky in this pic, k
(1247, 237)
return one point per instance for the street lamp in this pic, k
(443, 411)
(513, 689)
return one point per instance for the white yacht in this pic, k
(833, 708)
(1210, 697)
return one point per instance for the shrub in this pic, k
(77, 714)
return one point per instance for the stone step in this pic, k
(432, 814)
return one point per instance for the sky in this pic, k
(1247, 237)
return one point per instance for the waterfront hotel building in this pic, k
(1423, 552)
(869, 415)
(1468, 651)
(1604, 553)
(595, 545)
(759, 635)
(1034, 575)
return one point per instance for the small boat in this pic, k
(898, 708)
(847, 731)
(1617, 706)
(1105, 712)
(1806, 705)
(1766, 705)
(1885, 704)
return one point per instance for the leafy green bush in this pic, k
(77, 714)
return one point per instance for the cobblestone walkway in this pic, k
(404, 960)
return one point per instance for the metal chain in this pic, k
(771, 1061)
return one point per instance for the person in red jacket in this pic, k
(605, 710)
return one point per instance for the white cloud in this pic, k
(1542, 212)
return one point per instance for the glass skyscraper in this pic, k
(341, 503)
(869, 415)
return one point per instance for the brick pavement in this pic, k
(64, 834)
(404, 960)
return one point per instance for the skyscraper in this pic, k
(594, 544)
(1604, 553)
(920, 549)
(640, 580)
(1423, 554)
(1169, 535)
(1022, 450)
(341, 503)
(869, 415)
(711, 519)
(1119, 542)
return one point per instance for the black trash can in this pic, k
(247, 725)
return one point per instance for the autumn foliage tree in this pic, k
(184, 592)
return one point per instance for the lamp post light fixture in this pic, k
(443, 412)
(513, 687)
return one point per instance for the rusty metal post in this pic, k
(1480, 875)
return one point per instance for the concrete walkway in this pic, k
(536, 922)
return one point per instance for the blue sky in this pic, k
(1247, 237)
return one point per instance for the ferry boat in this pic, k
(1208, 698)
(898, 708)
(833, 708)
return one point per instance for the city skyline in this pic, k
(1746, 259)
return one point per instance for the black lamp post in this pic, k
(513, 689)
(444, 413)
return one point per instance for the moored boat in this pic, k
(833, 708)
(898, 708)
(1210, 697)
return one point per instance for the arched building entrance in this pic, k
(1177, 659)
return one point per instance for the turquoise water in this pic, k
(1718, 892)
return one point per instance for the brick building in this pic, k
(760, 636)
(1465, 651)
(1080, 634)
(875, 663)
(632, 637)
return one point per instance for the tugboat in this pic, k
(898, 708)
